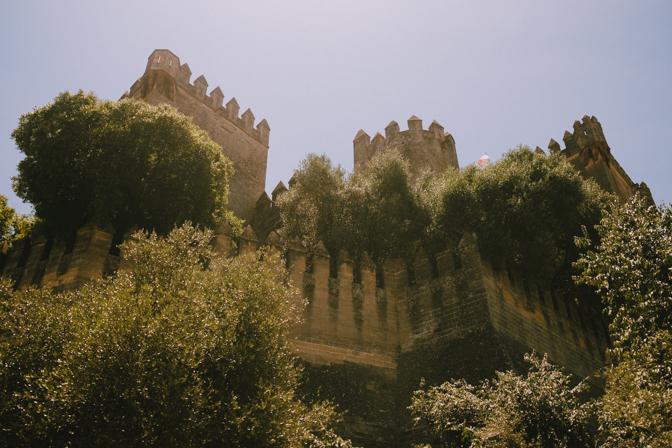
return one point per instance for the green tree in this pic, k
(631, 271)
(13, 226)
(181, 349)
(383, 217)
(312, 208)
(525, 210)
(539, 409)
(122, 163)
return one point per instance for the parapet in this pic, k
(168, 62)
(587, 149)
(432, 148)
(586, 133)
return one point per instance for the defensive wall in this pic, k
(432, 149)
(368, 337)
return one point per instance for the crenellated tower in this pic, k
(167, 81)
(431, 149)
(586, 148)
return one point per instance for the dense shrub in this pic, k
(538, 409)
(183, 349)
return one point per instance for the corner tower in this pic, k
(167, 81)
(586, 148)
(431, 149)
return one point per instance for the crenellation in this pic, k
(436, 129)
(232, 110)
(200, 86)
(392, 129)
(431, 149)
(248, 120)
(217, 97)
(184, 75)
(414, 124)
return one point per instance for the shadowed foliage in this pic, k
(122, 163)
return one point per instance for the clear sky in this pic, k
(495, 74)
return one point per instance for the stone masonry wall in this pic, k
(365, 346)
(430, 149)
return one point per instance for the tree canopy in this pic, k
(182, 349)
(539, 409)
(525, 210)
(12, 224)
(631, 270)
(126, 164)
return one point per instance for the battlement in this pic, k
(168, 62)
(432, 148)
(587, 149)
(587, 132)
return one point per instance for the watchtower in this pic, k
(431, 149)
(167, 81)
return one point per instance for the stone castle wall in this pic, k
(368, 343)
(430, 149)
(166, 81)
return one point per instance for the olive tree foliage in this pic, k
(631, 270)
(125, 163)
(525, 211)
(312, 209)
(383, 216)
(538, 409)
(373, 212)
(180, 349)
(13, 225)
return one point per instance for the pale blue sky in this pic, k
(494, 73)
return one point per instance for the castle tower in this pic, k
(431, 149)
(166, 81)
(586, 148)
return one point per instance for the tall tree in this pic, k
(123, 163)
(631, 270)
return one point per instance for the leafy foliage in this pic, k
(631, 270)
(181, 349)
(540, 409)
(13, 226)
(383, 217)
(312, 209)
(373, 212)
(123, 163)
(525, 210)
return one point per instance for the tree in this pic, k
(525, 210)
(384, 219)
(373, 212)
(631, 270)
(312, 208)
(125, 164)
(181, 349)
(540, 409)
(13, 226)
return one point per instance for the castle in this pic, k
(368, 336)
